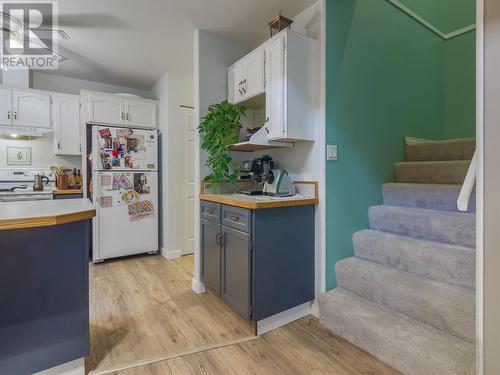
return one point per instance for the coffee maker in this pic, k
(257, 171)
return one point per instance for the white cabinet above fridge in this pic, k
(120, 109)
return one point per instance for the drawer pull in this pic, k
(210, 211)
(235, 218)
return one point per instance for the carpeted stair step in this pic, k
(432, 172)
(411, 347)
(455, 265)
(455, 228)
(440, 305)
(453, 149)
(432, 196)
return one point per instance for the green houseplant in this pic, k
(220, 129)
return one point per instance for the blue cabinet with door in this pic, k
(261, 261)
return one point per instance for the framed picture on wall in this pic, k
(18, 155)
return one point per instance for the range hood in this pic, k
(26, 132)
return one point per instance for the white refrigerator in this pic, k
(125, 192)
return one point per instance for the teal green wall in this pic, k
(385, 80)
(460, 86)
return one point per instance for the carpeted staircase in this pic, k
(408, 294)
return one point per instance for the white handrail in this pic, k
(468, 186)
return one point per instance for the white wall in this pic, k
(41, 154)
(489, 187)
(53, 82)
(212, 55)
(173, 90)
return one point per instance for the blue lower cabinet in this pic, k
(44, 297)
(261, 262)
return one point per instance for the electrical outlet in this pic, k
(331, 152)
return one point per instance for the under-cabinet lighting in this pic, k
(14, 135)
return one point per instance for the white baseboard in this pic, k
(76, 367)
(315, 308)
(198, 287)
(171, 254)
(283, 318)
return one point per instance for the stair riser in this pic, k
(446, 150)
(446, 227)
(431, 173)
(411, 347)
(435, 197)
(454, 265)
(440, 305)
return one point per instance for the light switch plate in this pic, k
(331, 152)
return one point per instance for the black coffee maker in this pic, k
(256, 171)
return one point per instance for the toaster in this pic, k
(279, 184)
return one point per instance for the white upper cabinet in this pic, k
(275, 89)
(141, 113)
(67, 136)
(121, 110)
(253, 73)
(246, 77)
(105, 109)
(31, 109)
(5, 107)
(235, 82)
(284, 68)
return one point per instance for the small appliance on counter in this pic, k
(38, 182)
(279, 184)
(257, 171)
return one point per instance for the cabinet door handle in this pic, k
(123, 116)
(218, 238)
(8, 115)
(58, 145)
(15, 115)
(128, 116)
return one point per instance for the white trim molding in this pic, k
(283, 318)
(76, 367)
(171, 254)
(198, 287)
(429, 25)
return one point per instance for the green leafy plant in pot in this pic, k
(220, 129)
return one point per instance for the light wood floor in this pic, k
(303, 347)
(143, 309)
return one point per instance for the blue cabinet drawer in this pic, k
(210, 211)
(237, 218)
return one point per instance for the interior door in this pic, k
(236, 281)
(211, 255)
(275, 89)
(32, 109)
(127, 213)
(142, 113)
(253, 73)
(5, 107)
(190, 129)
(105, 109)
(67, 136)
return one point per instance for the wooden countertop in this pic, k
(67, 191)
(33, 214)
(258, 202)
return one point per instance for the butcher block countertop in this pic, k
(307, 194)
(67, 191)
(44, 213)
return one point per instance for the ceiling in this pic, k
(133, 43)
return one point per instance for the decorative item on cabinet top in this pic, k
(277, 24)
(120, 109)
